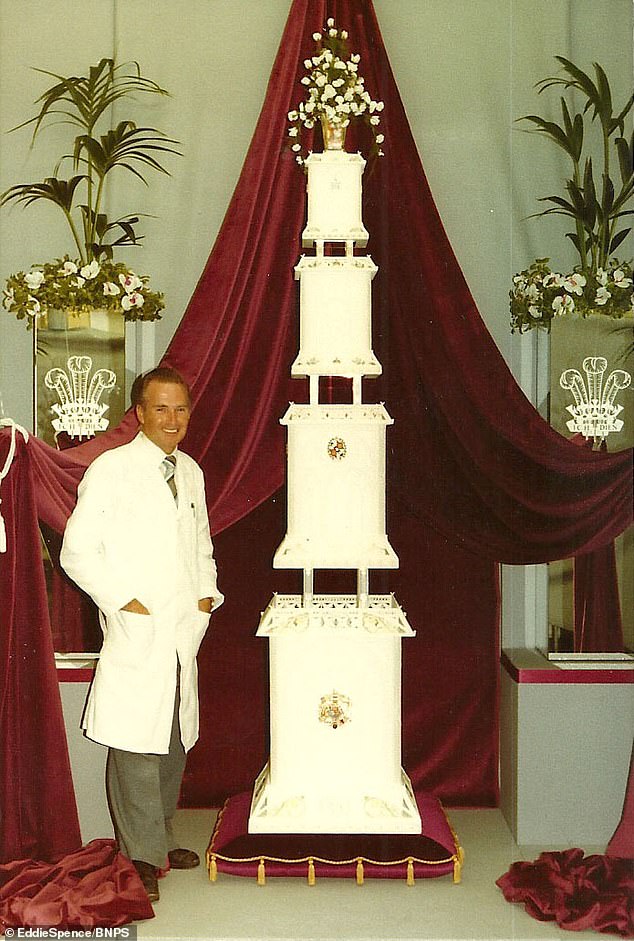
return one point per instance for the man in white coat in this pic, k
(138, 543)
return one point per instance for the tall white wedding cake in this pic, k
(335, 660)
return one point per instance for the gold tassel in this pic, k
(359, 872)
(461, 855)
(311, 871)
(457, 869)
(261, 873)
(213, 869)
(410, 871)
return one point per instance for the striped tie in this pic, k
(168, 466)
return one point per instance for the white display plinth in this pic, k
(336, 488)
(335, 764)
(336, 317)
(334, 198)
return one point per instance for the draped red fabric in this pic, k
(475, 476)
(92, 887)
(622, 842)
(592, 893)
(38, 814)
(597, 609)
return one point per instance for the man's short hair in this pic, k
(160, 374)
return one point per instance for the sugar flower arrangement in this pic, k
(336, 92)
(69, 285)
(539, 294)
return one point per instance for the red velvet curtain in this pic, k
(475, 476)
(38, 815)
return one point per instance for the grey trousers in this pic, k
(143, 794)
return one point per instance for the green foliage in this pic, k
(64, 284)
(82, 102)
(596, 204)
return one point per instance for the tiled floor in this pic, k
(238, 908)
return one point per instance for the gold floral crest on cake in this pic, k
(334, 709)
(337, 449)
(336, 95)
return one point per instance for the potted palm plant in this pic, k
(597, 206)
(588, 311)
(89, 278)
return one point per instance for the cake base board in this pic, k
(346, 811)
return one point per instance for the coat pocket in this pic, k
(130, 639)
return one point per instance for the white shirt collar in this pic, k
(154, 453)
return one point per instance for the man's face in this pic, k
(164, 414)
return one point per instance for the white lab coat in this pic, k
(125, 539)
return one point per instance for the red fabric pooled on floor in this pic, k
(594, 893)
(94, 887)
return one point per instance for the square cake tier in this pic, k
(334, 198)
(335, 304)
(336, 489)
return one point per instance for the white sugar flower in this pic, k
(68, 268)
(380, 138)
(375, 120)
(338, 64)
(293, 115)
(380, 105)
(332, 32)
(562, 304)
(344, 33)
(534, 311)
(619, 278)
(532, 292)
(308, 63)
(327, 93)
(34, 279)
(79, 282)
(35, 308)
(128, 301)
(299, 160)
(90, 271)
(602, 296)
(130, 282)
(602, 277)
(553, 279)
(296, 147)
(575, 283)
(309, 124)
(9, 299)
(330, 22)
(320, 79)
(305, 80)
(110, 289)
(316, 36)
(293, 132)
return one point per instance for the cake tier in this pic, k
(336, 488)
(335, 303)
(335, 762)
(334, 198)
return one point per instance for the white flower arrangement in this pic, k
(539, 294)
(336, 92)
(65, 284)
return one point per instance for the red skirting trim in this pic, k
(434, 852)
(554, 675)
